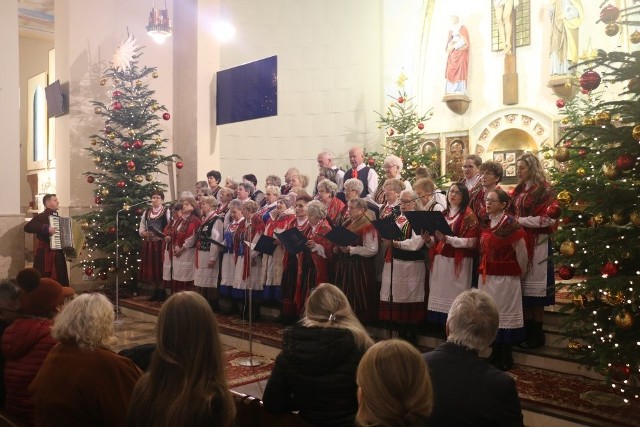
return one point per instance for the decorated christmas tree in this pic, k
(404, 127)
(127, 157)
(598, 187)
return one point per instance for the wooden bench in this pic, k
(251, 413)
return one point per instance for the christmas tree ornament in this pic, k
(104, 191)
(583, 152)
(400, 100)
(390, 132)
(620, 218)
(84, 225)
(125, 145)
(96, 159)
(566, 272)
(111, 136)
(611, 29)
(121, 184)
(131, 165)
(155, 74)
(579, 300)
(635, 37)
(562, 154)
(619, 372)
(153, 154)
(603, 118)
(613, 299)
(97, 200)
(125, 207)
(97, 110)
(166, 116)
(111, 230)
(554, 211)
(117, 94)
(560, 103)
(148, 177)
(626, 162)
(139, 178)
(118, 163)
(609, 14)
(565, 121)
(548, 156)
(103, 81)
(568, 248)
(158, 141)
(117, 106)
(635, 218)
(126, 249)
(92, 141)
(588, 121)
(131, 132)
(574, 345)
(590, 80)
(155, 107)
(564, 198)
(624, 320)
(137, 144)
(610, 171)
(108, 130)
(609, 268)
(599, 219)
(88, 271)
(179, 165)
(581, 172)
(420, 126)
(90, 179)
(138, 83)
(636, 133)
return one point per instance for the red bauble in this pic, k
(121, 184)
(117, 106)
(566, 272)
(107, 130)
(179, 165)
(619, 372)
(126, 145)
(88, 271)
(583, 152)
(166, 116)
(371, 161)
(554, 211)
(111, 230)
(131, 165)
(610, 269)
(420, 126)
(90, 179)
(400, 100)
(390, 132)
(560, 103)
(98, 200)
(609, 14)
(626, 162)
(590, 80)
(137, 144)
(116, 93)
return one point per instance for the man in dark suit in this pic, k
(469, 391)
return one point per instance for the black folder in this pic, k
(428, 221)
(388, 229)
(265, 245)
(293, 240)
(341, 236)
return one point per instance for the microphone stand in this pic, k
(119, 321)
(395, 212)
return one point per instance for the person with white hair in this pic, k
(325, 160)
(392, 166)
(457, 369)
(368, 176)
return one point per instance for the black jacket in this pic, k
(316, 374)
(468, 391)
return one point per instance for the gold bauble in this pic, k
(624, 320)
(103, 81)
(564, 198)
(155, 75)
(579, 300)
(574, 345)
(620, 218)
(138, 83)
(149, 177)
(131, 132)
(567, 85)
(111, 136)
(96, 160)
(603, 118)
(548, 156)
(599, 219)
(588, 121)
(635, 218)
(97, 110)
(104, 191)
(379, 126)
(581, 172)
(84, 225)
(158, 141)
(610, 171)
(613, 299)
(153, 154)
(635, 37)
(434, 157)
(611, 29)
(154, 107)
(636, 133)
(565, 121)
(139, 178)
(125, 206)
(562, 154)
(92, 141)
(118, 162)
(568, 248)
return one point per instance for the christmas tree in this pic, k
(598, 183)
(404, 127)
(127, 157)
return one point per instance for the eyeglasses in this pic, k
(404, 202)
(468, 166)
(454, 192)
(489, 201)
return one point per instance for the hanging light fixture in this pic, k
(159, 27)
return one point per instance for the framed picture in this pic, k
(456, 148)
(507, 158)
(37, 136)
(430, 146)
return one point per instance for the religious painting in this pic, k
(430, 146)
(456, 148)
(507, 158)
(505, 26)
(37, 149)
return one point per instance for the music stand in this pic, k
(119, 321)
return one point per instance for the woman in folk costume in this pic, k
(327, 194)
(402, 292)
(231, 239)
(390, 208)
(452, 256)
(225, 195)
(426, 191)
(154, 218)
(392, 167)
(183, 242)
(208, 257)
(531, 198)
(490, 175)
(503, 262)
(167, 255)
(272, 268)
(290, 309)
(248, 262)
(354, 268)
(270, 202)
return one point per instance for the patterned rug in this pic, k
(239, 374)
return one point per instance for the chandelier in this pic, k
(159, 27)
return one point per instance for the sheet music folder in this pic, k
(388, 229)
(265, 245)
(341, 236)
(428, 221)
(293, 240)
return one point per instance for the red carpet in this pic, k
(238, 375)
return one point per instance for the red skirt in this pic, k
(402, 312)
(151, 264)
(356, 277)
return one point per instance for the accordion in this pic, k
(63, 237)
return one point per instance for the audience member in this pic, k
(186, 383)
(82, 382)
(394, 389)
(315, 372)
(467, 389)
(9, 311)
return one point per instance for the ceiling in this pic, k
(36, 16)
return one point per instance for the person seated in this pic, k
(185, 384)
(9, 311)
(315, 372)
(27, 341)
(468, 390)
(394, 389)
(82, 382)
